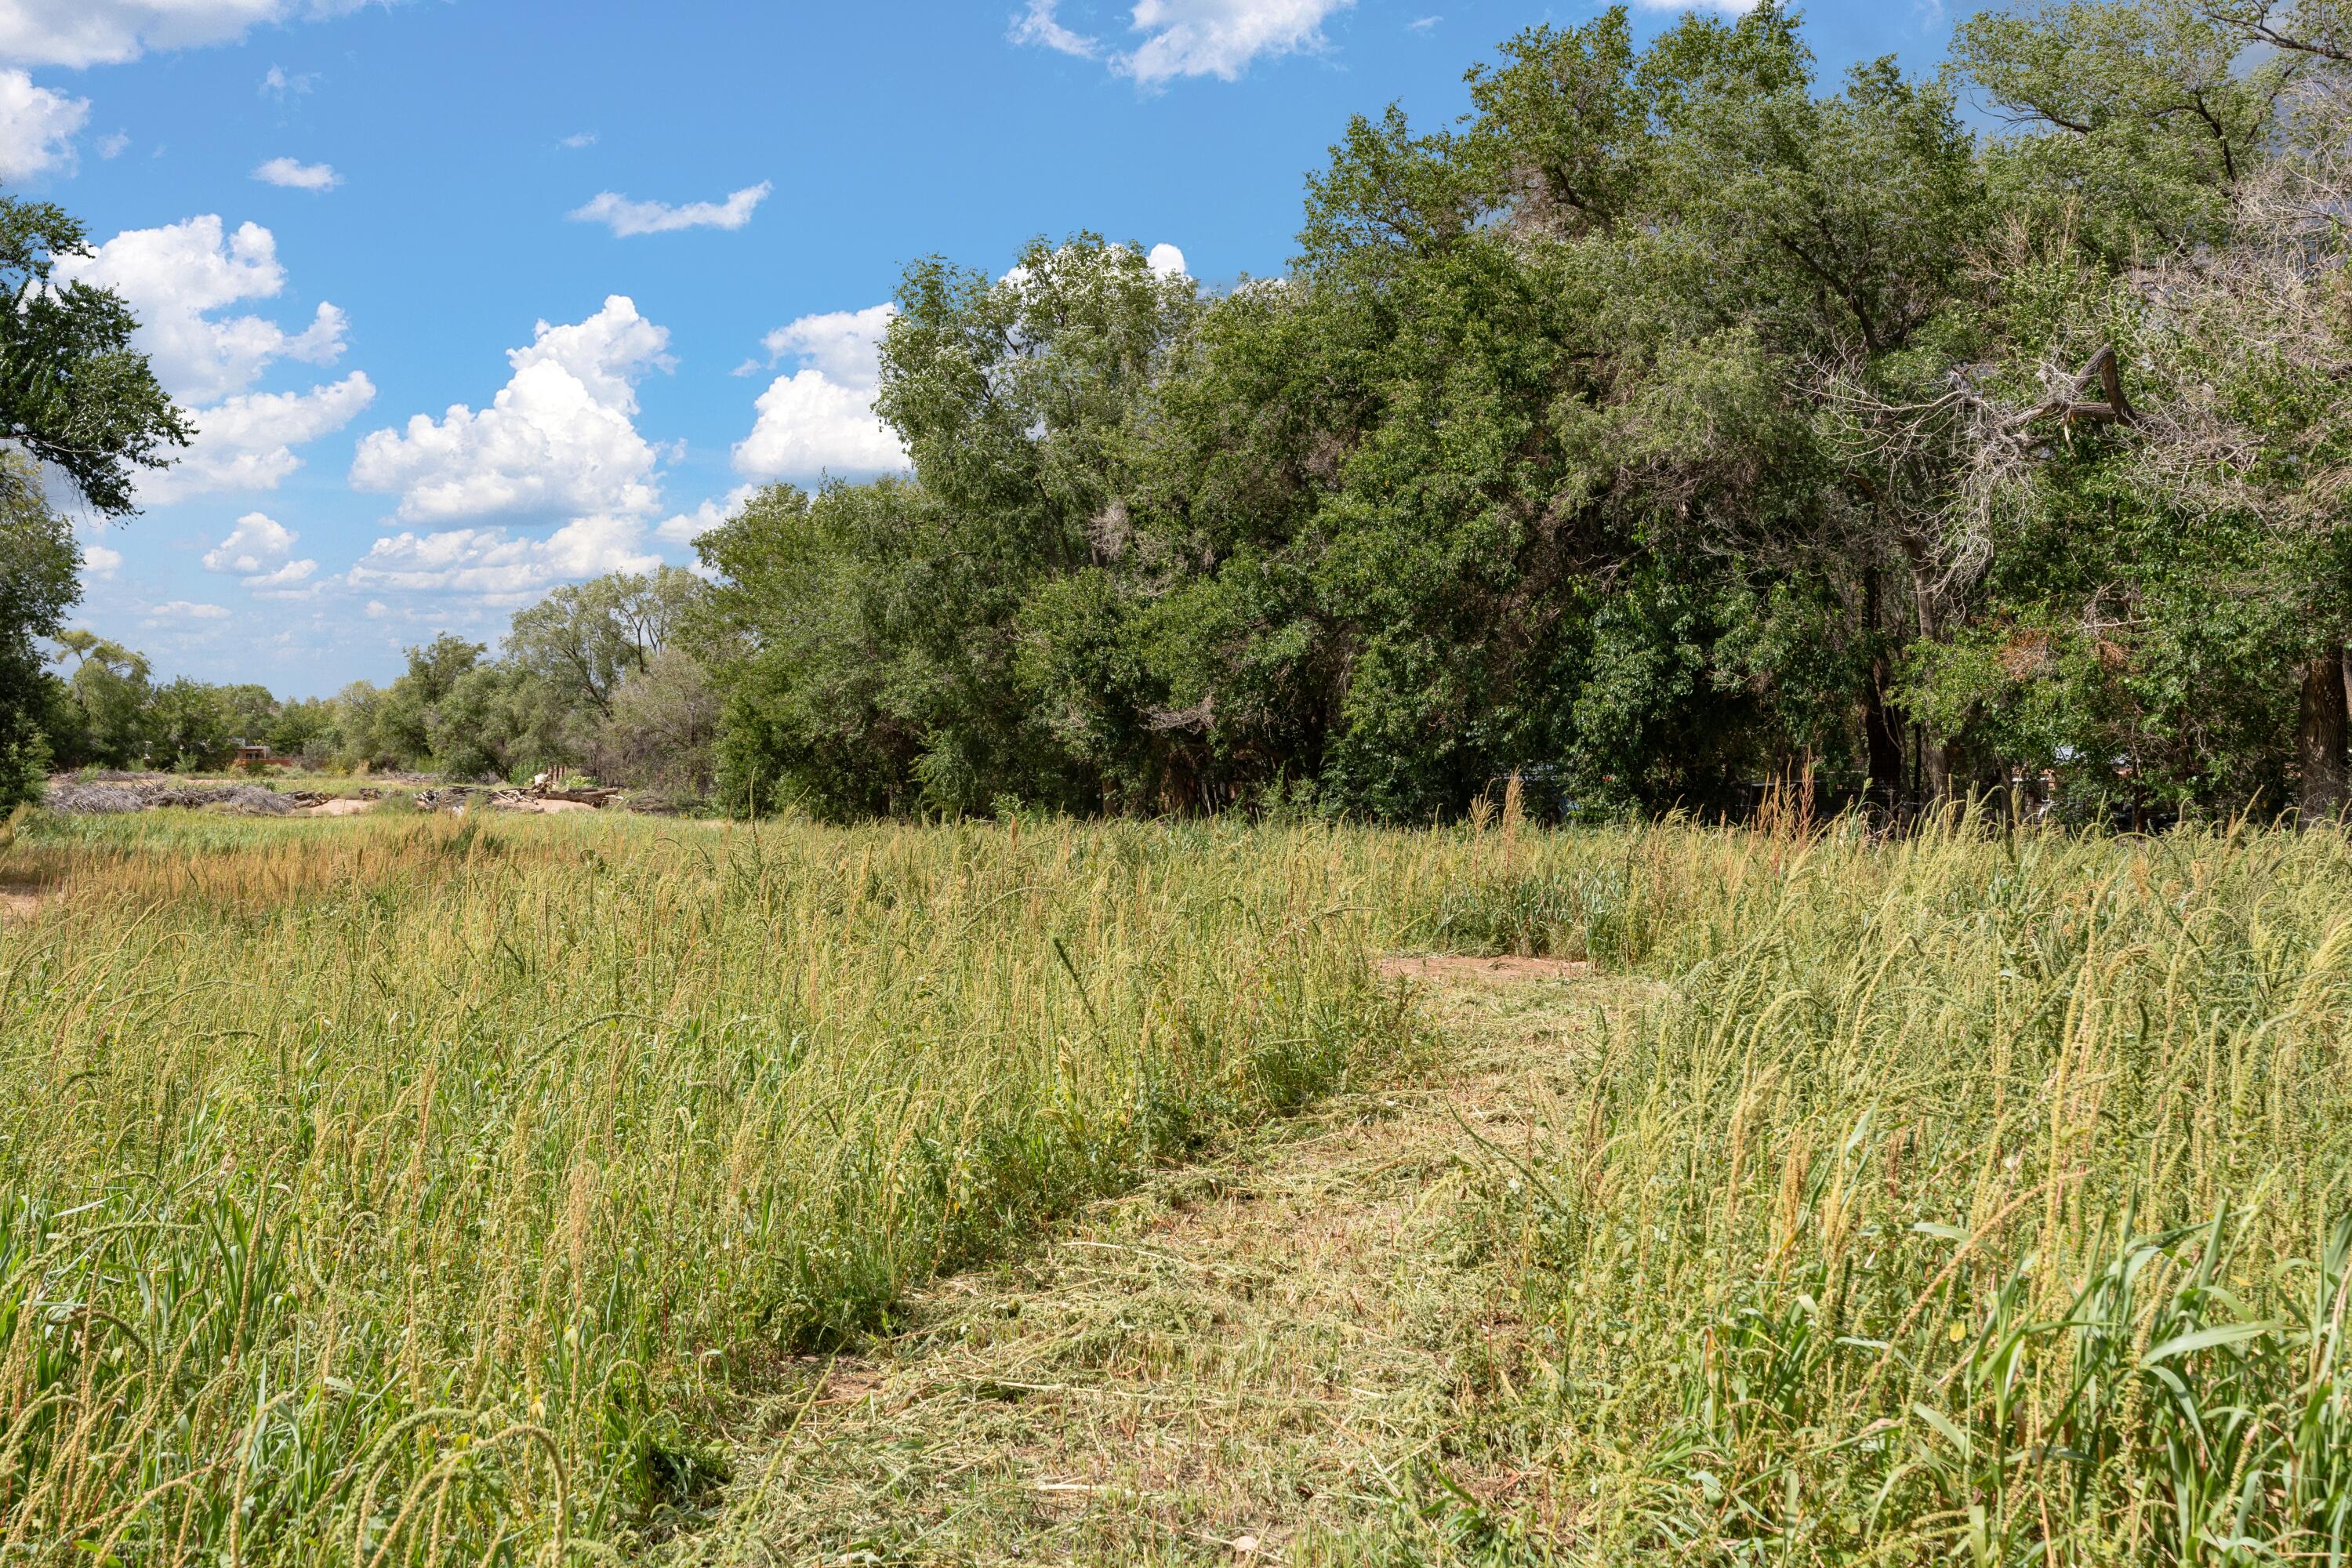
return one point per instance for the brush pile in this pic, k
(75, 797)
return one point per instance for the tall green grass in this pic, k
(1979, 1198)
(414, 1191)
(398, 1190)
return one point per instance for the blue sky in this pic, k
(471, 299)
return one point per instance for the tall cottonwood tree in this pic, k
(2194, 157)
(76, 401)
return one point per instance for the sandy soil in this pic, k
(1451, 969)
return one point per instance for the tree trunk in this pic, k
(2319, 737)
(1882, 732)
(1934, 754)
(1936, 767)
(1882, 728)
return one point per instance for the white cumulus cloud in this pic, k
(181, 609)
(100, 562)
(1190, 38)
(181, 281)
(297, 176)
(255, 539)
(559, 436)
(625, 217)
(257, 549)
(1165, 261)
(37, 126)
(687, 527)
(176, 278)
(820, 418)
(498, 562)
(106, 32)
(285, 582)
(246, 442)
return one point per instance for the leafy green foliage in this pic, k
(73, 392)
(1669, 424)
(38, 567)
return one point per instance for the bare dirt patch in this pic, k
(1453, 968)
(339, 806)
(20, 904)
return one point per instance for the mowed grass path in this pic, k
(1287, 1351)
(396, 1191)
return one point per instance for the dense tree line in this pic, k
(586, 679)
(1672, 420)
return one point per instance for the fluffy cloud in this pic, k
(808, 424)
(492, 561)
(820, 418)
(284, 582)
(256, 538)
(625, 217)
(1190, 38)
(106, 32)
(1038, 24)
(559, 436)
(257, 549)
(100, 562)
(177, 277)
(246, 442)
(180, 281)
(1166, 261)
(844, 345)
(36, 126)
(296, 176)
(688, 526)
(181, 609)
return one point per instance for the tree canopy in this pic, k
(1675, 420)
(73, 394)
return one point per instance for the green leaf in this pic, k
(2205, 1339)
(1943, 1424)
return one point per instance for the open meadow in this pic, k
(417, 1189)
